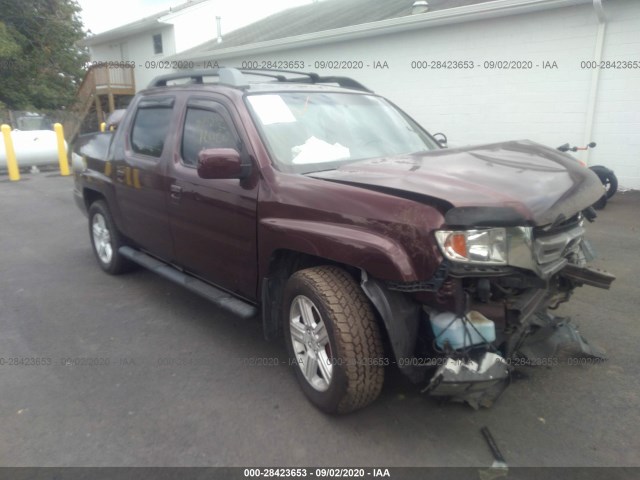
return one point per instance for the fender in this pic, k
(375, 255)
(93, 172)
(379, 255)
(345, 244)
(96, 181)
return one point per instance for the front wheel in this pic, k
(333, 339)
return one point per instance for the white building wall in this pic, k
(193, 26)
(617, 125)
(184, 29)
(483, 105)
(139, 49)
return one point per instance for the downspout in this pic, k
(219, 28)
(595, 76)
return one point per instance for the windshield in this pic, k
(312, 131)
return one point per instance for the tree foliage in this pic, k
(41, 65)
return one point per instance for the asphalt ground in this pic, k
(135, 371)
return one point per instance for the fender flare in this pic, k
(401, 317)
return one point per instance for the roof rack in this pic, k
(236, 78)
(311, 77)
(226, 76)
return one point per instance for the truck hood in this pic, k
(510, 183)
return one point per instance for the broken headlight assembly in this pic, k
(483, 246)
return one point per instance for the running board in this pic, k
(218, 297)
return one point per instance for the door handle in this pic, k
(176, 191)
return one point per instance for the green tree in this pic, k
(41, 65)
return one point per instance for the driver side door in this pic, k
(213, 221)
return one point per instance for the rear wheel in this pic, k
(333, 339)
(106, 240)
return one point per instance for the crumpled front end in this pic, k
(489, 307)
(540, 269)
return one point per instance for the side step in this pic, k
(218, 297)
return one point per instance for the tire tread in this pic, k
(357, 332)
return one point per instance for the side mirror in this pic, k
(220, 163)
(592, 145)
(441, 138)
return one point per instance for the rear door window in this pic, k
(151, 126)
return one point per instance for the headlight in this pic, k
(486, 246)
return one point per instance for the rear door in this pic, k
(214, 221)
(140, 170)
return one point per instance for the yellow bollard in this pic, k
(12, 163)
(103, 126)
(62, 151)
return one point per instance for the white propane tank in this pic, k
(32, 147)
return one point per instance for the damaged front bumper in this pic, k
(543, 267)
(555, 338)
(529, 333)
(478, 383)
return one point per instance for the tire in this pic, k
(334, 325)
(601, 203)
(608, 179)
(106, 240)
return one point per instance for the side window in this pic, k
(204, 129)
(150, 129)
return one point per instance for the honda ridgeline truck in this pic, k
(328, 213)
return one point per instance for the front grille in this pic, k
(557, 243)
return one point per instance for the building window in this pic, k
(157, 43)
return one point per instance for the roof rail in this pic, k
(234, 77)
(345, 82)
(226, 76)
(311, 77)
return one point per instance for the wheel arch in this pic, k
(283, 263)
(90, 195)
(398, 315)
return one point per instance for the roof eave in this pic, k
(122, 32)
(495, 9)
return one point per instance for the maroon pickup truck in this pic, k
(327, 212)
